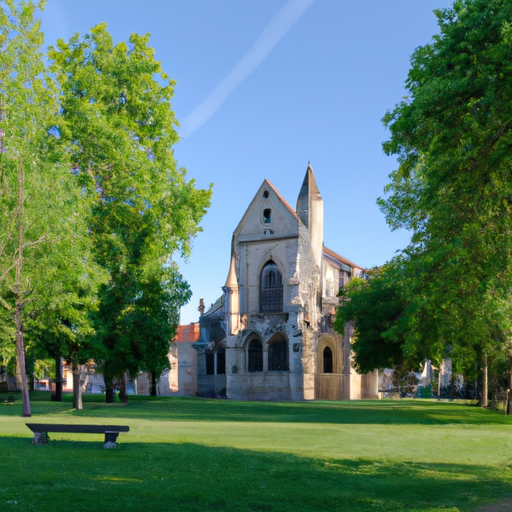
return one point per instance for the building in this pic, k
(182, 375)
(270, 335)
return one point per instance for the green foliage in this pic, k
(453, 139)
(47, 282)
(376, 306)
(56, 251)
(119, 128)
(92, 203)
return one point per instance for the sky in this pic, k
(262, 88)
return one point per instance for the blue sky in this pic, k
(263, 87)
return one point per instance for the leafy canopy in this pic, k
(453, 187)
(118, 125)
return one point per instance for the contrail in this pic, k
(280, 24)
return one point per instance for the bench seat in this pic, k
(111, 431)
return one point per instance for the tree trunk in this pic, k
(19, 384)
(57, 394)
(123, 394)
(109, 391)
(18, 297)
(508, 403)
(152, 387)
(77, 387)
(20, 349)
(485, 384)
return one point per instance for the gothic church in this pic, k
(270, 335)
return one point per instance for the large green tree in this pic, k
(118, 125)
(43, 247)
(453, 187)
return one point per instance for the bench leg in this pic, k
(40, 438)
(110, 440)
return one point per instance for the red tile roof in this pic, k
(341, 259)
(187, 333)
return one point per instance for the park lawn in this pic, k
(192, 454)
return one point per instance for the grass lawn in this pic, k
(193, 454)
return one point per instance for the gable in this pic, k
(268, 216)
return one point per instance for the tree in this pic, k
(27, 103)
(452, 136)
(154, 320)
(376, 304)
(118, 125)
(44, 264)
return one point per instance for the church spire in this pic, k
(310, 209)
(231, 295)
(309, 192)
(231, 280)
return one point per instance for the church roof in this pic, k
(215, 306)
(341, 259)
(293, 218)
(292, 211)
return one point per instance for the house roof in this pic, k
(341, 259)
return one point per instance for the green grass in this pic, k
(192, 454)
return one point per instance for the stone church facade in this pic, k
(270, 335)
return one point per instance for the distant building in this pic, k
(183, 362)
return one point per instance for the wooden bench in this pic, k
(111, 431)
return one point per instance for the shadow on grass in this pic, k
(81, 476)
(384, 412)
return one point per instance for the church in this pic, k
(270, 335)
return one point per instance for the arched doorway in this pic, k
(330, 381)
(327, 356)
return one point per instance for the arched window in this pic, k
(278, 356)
(255, 356)
(271, 300)
(327, 360)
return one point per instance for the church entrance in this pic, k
(330, 383)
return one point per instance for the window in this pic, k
(210, 363)
(278, 356)
(221, 363)
(271, 294)
(267, 212)
(327, 360)
(255, 359)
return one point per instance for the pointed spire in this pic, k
(310, 209)
(308, 191)
(231, 280)
(231, 296)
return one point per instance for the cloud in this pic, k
(280, 24)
